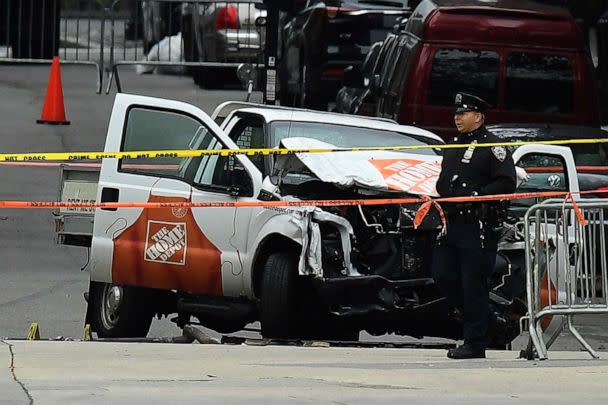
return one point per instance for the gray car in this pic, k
(222, 32)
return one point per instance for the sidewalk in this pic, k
(99, 373)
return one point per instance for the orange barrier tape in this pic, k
(302, 203)
(577, 211)
(424, 210)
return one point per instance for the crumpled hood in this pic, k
(383, 171)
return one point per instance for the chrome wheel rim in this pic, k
(110, 305)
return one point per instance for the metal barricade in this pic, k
(33, 31)
(208, 37)
(566, 266)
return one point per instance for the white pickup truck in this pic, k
(303, 272)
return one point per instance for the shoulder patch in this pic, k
(500, 152)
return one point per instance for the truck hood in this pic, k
(371, 171)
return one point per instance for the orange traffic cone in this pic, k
(53, 111)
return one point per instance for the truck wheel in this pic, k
(118, 311)
(278, 303)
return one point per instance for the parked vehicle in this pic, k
(304, 272)
(357, 93)
(223, 32)
(325, 37)
(591, 159)
(153, 20)
(528, 60)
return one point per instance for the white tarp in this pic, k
(375, 170)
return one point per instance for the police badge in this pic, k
(458, 99)
(500, 152)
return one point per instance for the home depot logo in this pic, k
(166, 242)
(411, 175)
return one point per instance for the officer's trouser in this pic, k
(462, 263)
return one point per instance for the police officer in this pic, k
(464, 256)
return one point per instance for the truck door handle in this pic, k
(109, 194)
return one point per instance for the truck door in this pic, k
(186, 249)
(549, 168)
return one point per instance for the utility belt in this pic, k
(491, 214)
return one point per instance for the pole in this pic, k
(271, 52)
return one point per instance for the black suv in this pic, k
(323, 38)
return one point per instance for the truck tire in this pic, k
(279, 297)
(118, 311)
(291, 309)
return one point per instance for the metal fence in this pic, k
(566, 266)
(206, 37)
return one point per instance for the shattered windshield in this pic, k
(343, 136)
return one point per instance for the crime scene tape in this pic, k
(72, 156)
(298, 203)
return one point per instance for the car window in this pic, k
(401, 64)
(344, 136)
(590, 154)
(386, 48)
(249, 134)
(467, 70)
(389, 63)
(152, 129)
(371, 57)
(539, 83)
(545, 173)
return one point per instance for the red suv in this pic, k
(526, 59)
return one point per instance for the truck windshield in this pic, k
(344, 136)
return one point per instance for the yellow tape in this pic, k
(71, 156)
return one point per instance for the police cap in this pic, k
(467, 102)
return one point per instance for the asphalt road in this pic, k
(41, 281)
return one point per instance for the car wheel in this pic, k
(278, 298)
(118, 311)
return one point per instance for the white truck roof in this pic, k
(271, 114)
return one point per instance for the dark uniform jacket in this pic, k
(484, 171)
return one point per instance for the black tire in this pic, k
(118, 311)
(291, 309)
(279, 297)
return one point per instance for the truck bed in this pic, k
(74, 226)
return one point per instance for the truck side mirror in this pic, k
(241, 184)
(352, 77)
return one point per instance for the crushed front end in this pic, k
(369, 260)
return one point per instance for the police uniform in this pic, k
(465, 255)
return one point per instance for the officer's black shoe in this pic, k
(467, 352)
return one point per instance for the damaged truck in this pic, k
(304, 272)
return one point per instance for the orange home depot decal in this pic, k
(166, 242)
(411, 175)
(166, 249)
